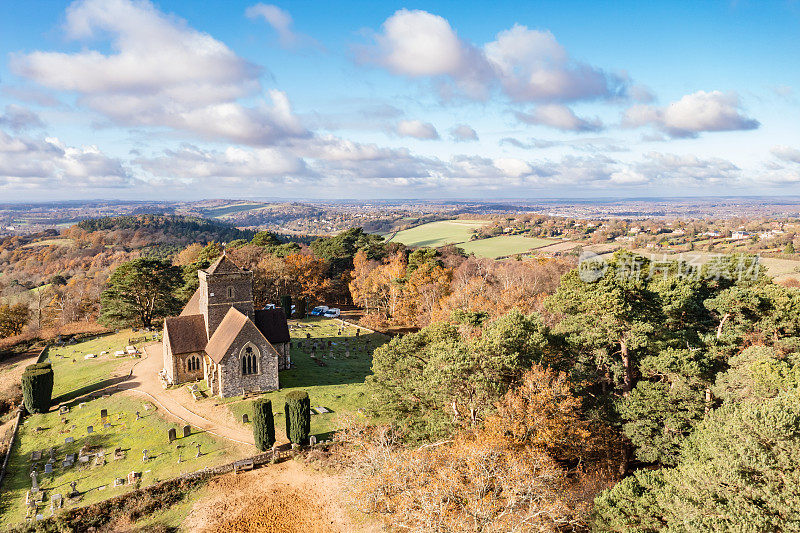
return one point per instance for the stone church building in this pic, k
(221, 338)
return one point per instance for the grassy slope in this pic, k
(219, 212)
(149, 433)
(438, 233)
(339, 386)
(503, 245)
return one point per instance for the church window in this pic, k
(193, 363)
(249, 357)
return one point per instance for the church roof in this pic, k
(193, 305)
(225, 334)
(223, 265)
(272, 324)
(186, 333)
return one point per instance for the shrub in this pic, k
(37, 388)
(298, 417)
(263, 424)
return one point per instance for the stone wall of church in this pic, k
(220, 292)
(232, 382)
(169, 364)
(284, 355)
(181, 368)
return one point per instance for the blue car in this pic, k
(319, 310)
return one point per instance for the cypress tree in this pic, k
(286, 303)
(298, 417)
(37, 387)
(263, 424)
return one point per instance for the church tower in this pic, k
(224, 285)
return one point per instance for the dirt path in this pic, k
(11, 370)
(287, 497)
(144, 381)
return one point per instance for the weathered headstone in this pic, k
(133, 476)
(198, 450)
(312, 440)
(172, 434)
(308, 335)
(69, 440)
(73, 490)
(187, 430)
(34, 483)
(56, 501)
(138, 416)
(245, 419)
(144, 456)
(48, 468)
(36, 455)
(89, 429)
(106, 425)
(118, 482)
(103, 413)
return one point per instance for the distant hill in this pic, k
(173, 228)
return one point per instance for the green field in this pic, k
(503, 245)
(74, 381)
(440, 233)
(338, 386)
(219, 212)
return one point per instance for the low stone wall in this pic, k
(10, 445)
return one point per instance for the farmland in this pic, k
(440, 233)
(504, 245)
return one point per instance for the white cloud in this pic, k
(160, 72)
(281, 22)
(463, 132)
(18, 118)
(528, 65)
(417, 129)
(786, 153)
(27, 163)
(190, 162)
(693, 114)
(560, 117)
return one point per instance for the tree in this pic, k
(37, 387)
(263, 424)
(13, 318)
(265, 238)
(141, 291)
(298, 417)
(286, 304)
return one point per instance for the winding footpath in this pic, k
(144, 381)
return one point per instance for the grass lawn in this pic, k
(219, 212)
(438, 233)
(504, 245)
(338, 387)
(95, 483)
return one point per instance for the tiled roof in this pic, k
(193, 305)
(223, 265)
(186, 333)
(225, 334)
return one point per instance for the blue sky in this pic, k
(183, 100)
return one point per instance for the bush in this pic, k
(298, 417)
(37, 388)
(263, 424)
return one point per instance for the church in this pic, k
(221, 338)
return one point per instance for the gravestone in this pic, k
(89, 429)
(187, 430)
(52, 453)
(245, 419)
(144, 456)
(118, 482)
(118, 453)
(198, 450)
(106, 425)
(34, 483)
(138, 416)
(36, 455)
(308, 335)
(64, 409)
(69, 440)
(73, 490)
(103, 414)
(312, 440)
(48, 468)
(56, 501)
(171, 435)
(133, 476)
(358, 332)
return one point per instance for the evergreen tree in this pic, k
(286, 304)
(298, 417)
(139, 292)
(263, 424)
(37, 387)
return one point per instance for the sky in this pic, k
(185, 100)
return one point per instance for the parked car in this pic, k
(319, 310)
(332, 313)
(269, 306)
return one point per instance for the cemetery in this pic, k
(97, 441)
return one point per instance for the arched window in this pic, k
(193, 363)
(249, 356)
(230, 293)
